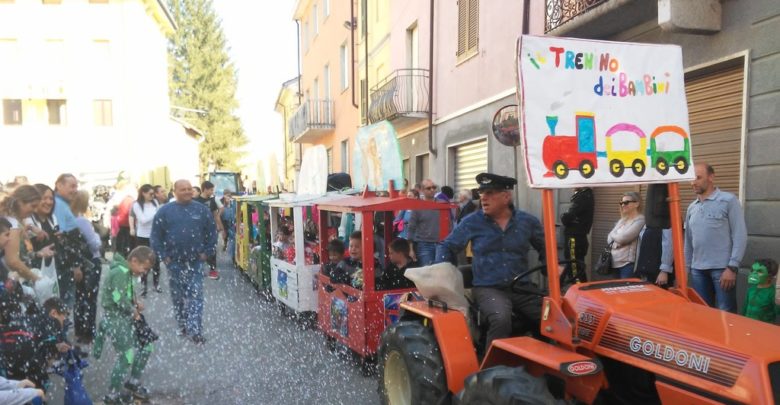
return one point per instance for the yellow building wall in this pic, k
(321, 47)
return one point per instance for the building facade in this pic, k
(81, 95)
(329, 112)
(287, 102)
(474, 76)
(730, 54)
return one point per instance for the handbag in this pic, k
(143, 333)
(604, 264)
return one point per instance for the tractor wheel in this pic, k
(560, 169)
(410, 366)
(616, 167)
(638, 167)
(504, 385)
(662, 166)
(586, 169)
(681, 165)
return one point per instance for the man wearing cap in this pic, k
(501, 236)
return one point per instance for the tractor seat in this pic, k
(468, 275)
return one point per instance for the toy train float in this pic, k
(281, 244)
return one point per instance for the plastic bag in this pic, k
(46, 287)
(442, 282)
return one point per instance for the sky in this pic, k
(262, 40)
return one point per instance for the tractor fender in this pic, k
(583, 375)
(452, 334)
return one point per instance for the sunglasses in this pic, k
(432, 188)
(626, 202)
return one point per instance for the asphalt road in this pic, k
(253, 355)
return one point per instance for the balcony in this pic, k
(596, 18)
(313, 119)
(401, 97)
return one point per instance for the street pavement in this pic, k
(253, 355)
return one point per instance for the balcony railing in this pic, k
(403, 93)
(559, 12)
(312, 119)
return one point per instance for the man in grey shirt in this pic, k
(715, 240)
(424, 227)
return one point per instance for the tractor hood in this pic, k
(687, 343)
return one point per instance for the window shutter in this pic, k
(463, 16)
(473, 32)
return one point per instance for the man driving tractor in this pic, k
(500, 237)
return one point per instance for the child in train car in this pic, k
(335, 256)
(350, 270)
(760, 298)
(400, 258)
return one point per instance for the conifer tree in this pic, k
(202, 77)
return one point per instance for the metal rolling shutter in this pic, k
(715, 114)
(470, 160)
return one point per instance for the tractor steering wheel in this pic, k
(541, 267)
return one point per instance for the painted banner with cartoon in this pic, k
(376, 158)
(602, 113)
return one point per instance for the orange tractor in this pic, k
(616, 341)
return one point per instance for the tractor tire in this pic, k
(681, 165)
(586, 169)
(560, 170)
(662, 166)
(504, 385)
(410, 367)
(616, 167)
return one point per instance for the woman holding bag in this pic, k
(43, 225)
(143, 212)
(624, 236)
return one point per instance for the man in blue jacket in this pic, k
(183, 237)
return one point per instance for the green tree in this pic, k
(203, 78)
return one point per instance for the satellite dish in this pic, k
(506, 125)
(313, 178)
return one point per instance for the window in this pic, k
(345, 156)
(363, 101)
(306, 37)
(56, 111)
(330, 160)
(315, 20)
(344, 61)
(103, 113)
(52, 1)
(468, 29)
(98, 1)
(12, 112)
(326, 82)
(421, 168)
(325, 8)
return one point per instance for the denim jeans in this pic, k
(625, 271)
(707, 281)
(186, 284)
(426, 252)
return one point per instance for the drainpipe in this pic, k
(298, 42)
(365, 51)
(431, 148)
(352, 49)
(300, 96)
(526, 15)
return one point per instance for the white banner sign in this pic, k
(602, 113)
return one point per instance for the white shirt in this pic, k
(144, 218)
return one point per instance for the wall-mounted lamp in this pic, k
(350, 25)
